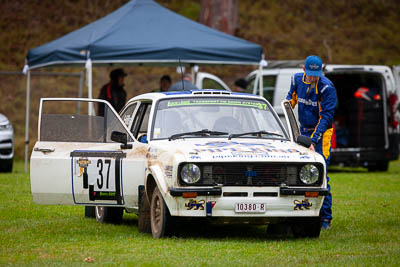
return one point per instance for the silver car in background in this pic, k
(6, 144)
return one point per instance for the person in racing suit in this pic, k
(316, 98)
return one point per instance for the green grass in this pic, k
(365, 231)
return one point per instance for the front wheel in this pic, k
(160, 217)
(109, 214)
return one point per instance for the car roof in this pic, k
(192, 93)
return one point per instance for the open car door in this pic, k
(81, 159)
(291, 121)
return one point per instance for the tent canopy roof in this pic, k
(144, 32)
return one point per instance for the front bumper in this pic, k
(6, 144)
(220, 202)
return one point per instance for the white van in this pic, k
(367, 131)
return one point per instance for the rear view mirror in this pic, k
(119, 137)
(304, 141)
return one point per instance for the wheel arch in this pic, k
(149, 186)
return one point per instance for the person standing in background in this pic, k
(240, 85)
(113, 92)
(165, 83)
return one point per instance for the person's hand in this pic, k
(312, 147)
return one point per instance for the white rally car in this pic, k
(169, 156)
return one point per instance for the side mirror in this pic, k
(119, 137)
(304, 141)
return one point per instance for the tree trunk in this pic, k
(220, 14)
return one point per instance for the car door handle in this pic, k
(44, 150)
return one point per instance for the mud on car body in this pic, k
(168, 156)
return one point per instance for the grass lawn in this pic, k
(365, 231)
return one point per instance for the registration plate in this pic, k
(250, 207)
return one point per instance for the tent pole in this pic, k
(263, 63)
(28, 90)
(80, 92)
(260, 75)
(89, 84)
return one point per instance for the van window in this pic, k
(269, 82)
(211, 84)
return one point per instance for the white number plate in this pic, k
(250, 207)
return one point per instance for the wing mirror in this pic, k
(304, 141)
(121, 138)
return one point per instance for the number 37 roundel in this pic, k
(96, 177)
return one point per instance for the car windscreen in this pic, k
(215, 116)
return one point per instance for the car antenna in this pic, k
(183, 84)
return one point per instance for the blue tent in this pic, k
(140, 32)
(144, 32)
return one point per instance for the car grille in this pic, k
(251, 174)
(6, 151)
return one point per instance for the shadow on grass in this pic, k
(203, 229)
(129, 220)
(346, 170)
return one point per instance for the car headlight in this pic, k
(190, 173)
(5, 126)
(309, 174)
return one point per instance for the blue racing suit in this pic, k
(316, 107)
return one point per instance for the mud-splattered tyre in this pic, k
(109, 214)
(310, 227)
(144, 223)
(160, 217)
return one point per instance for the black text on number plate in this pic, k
(250, 207)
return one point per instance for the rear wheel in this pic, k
(159, 215)
(309, 227)
(380, 166)
(109, 214)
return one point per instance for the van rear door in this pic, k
(365, 116)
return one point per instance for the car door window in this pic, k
(127, 114)
(60, 122)
(141, 120)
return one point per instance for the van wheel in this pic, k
(159, 215)
(109, 214)
(310, 227)
(6, 165)
(380, 166)
(144, 224)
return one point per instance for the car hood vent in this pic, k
(212, 93)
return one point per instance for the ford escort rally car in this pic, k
(206, 153)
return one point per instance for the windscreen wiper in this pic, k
(202, 132)
(258, 133)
